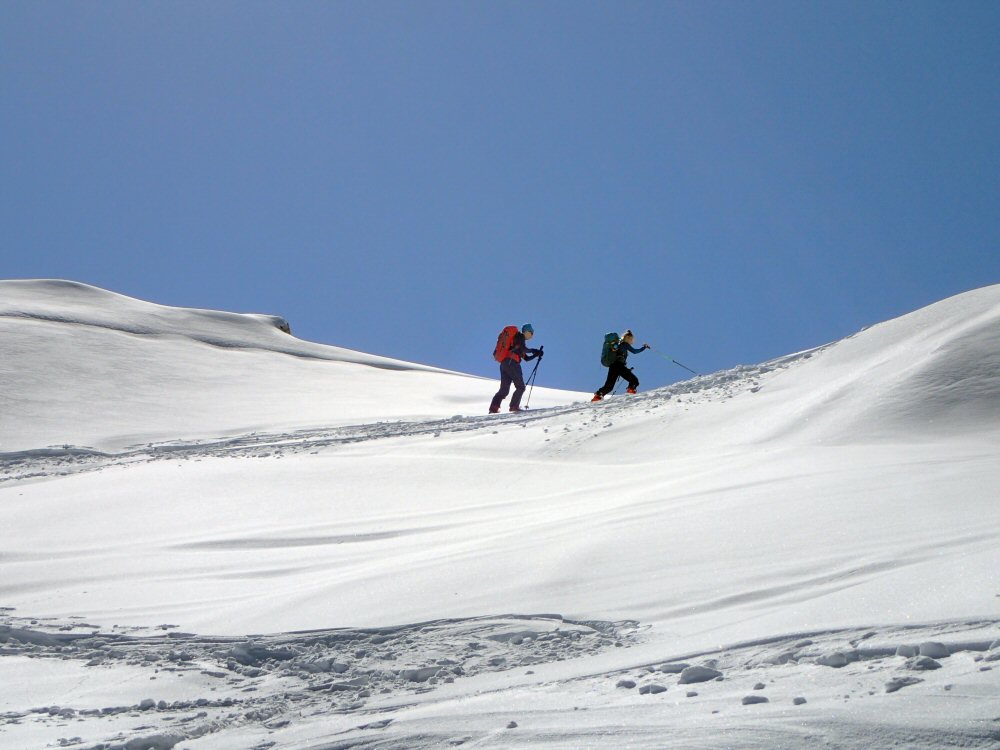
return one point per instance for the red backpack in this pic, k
(504, 342)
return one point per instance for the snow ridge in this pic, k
(76, 304)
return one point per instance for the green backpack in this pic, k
(608, 352)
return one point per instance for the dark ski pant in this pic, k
(510, 372)
(618, 370)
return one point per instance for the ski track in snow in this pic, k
(265, 680)
(56, 461)
(370, 687)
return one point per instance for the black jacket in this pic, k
(521, 349)
(622, 349)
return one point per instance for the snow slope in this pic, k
(791, 524)
(90, 368)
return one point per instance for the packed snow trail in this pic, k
(57, 461)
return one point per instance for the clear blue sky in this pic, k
(733, 180)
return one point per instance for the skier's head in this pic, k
(627, 336)
(527, 330)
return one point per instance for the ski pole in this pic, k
(531, 382)
(671, 359)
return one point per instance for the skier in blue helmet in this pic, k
(512, 347)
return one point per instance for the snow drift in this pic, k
(926, 373)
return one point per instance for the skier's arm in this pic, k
(521, 349)
(530, 354)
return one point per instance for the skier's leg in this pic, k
(633, 381)
(505, 381)
(609, 385)
(518, 377)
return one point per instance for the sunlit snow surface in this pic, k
(420, 574)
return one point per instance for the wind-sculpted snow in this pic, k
(800, 553)
(934, 371)
(75, 304)
(958, 387)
